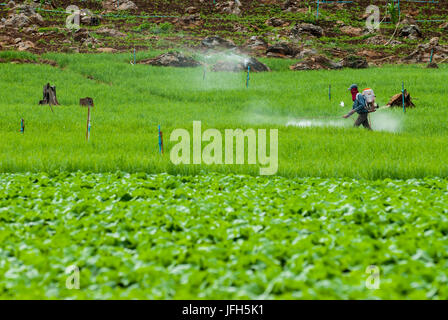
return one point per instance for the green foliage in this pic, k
(392, 10)
(221, 236)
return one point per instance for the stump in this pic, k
(397, 100)
(86, 102)
(49, 95)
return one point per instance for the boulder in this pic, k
(239, 63)
(18, 21)
(355, 62)
(281, 50)
(172, 59)
(307, 28)
(412, 32)
(214, 42)
(127, 6)
(316, 62)
(229, 7)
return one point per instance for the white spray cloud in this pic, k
(386, 121)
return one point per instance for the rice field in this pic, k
(132, 100)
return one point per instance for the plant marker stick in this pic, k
(203, 76)
(430, 59)
(248, 76)
(317, 15)
(22, 125)
(160, 141)
(329, 92)
(402, 95)
(134, 55)
(88, 124)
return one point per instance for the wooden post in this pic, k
(87, 102)
(88, 124)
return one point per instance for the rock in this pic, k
(127, 6)
(412, 32)
(434, 42)
(355, 62)
(444, 26)
(26, 9)
(191, 10)
(238, 63)
(109, 5)
(110, 32)
(11, 4)
(36, 19)
(191, 20)
(88, 19)
(23, 46)
(229, 7)
(316, 62)
(276, 22)
(18, 21)
(257, 43)
(432, 65)
(281, 50)
(172, 59)
(351, 31)
(17, 40)
(214, 42)
(305, 53)
(290, 6)
(107, 50)
(307, 28)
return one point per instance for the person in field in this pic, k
(361, 106)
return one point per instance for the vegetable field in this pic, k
(159, 236)
(137, 226)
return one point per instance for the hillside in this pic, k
(269, 28)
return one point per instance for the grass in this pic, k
(130, 101)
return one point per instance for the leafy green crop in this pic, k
(221, 236)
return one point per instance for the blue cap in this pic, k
(353, 86)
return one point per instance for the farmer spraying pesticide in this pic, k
(362, 104)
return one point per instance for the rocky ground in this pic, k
(266, 28)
